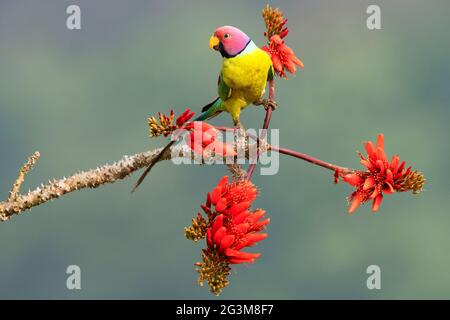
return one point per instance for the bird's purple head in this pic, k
(229, 41)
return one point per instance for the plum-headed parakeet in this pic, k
(244, 75)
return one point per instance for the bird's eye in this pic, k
(226, 36)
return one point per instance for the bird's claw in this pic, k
(270, 104)
(267, 103)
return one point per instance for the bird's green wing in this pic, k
(223, 90)
(215, 107)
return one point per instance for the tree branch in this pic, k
(109, 173)
(94, 178)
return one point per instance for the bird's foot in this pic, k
(267, 103)
(239, 128)
(238, 125)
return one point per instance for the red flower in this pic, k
(235, 226)
(203, 138)
(381, 177)
(283, 57)
(231, 227)
(166, 124)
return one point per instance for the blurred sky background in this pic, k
(82, 99)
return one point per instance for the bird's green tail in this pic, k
(210, 110)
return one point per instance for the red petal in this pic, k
(241, 217)
(208, 200)
(407, 171)
(218, 223)
(377, 202)
(284, 33)
(381, 155)
(242, 228)
(389, 176)
(221, 205)
(260, 225)
(370, 150)
(388, 188)
(226, 242)
(401, 167)
(380, 141)
(369, 183)
(222, 232)
(255, 216)
(184, 117)
(209, 237)
(375, 193)
(277, 65)
(238, 208)
(298, 62)
(223, 182)
(254, 238)
(353, 179)
(193, 124)
(394, 164)
(240, 254)
(206, 127)
(276, 39)
(290, 66)
(355, 204)
(216, 194)
(380, 166)
(206, 209)
(367, 164)
(237, 261)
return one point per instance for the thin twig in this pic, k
(308, 158)
(303, 156)
(15, 189)
(267, 118)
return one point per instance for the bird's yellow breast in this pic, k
(246, 75)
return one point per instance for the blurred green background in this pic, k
(82, 99)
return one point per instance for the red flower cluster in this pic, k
(235, 227)
(203, 138)
(381, 177)
(166, 124)
(283, 57)
(231, 227)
